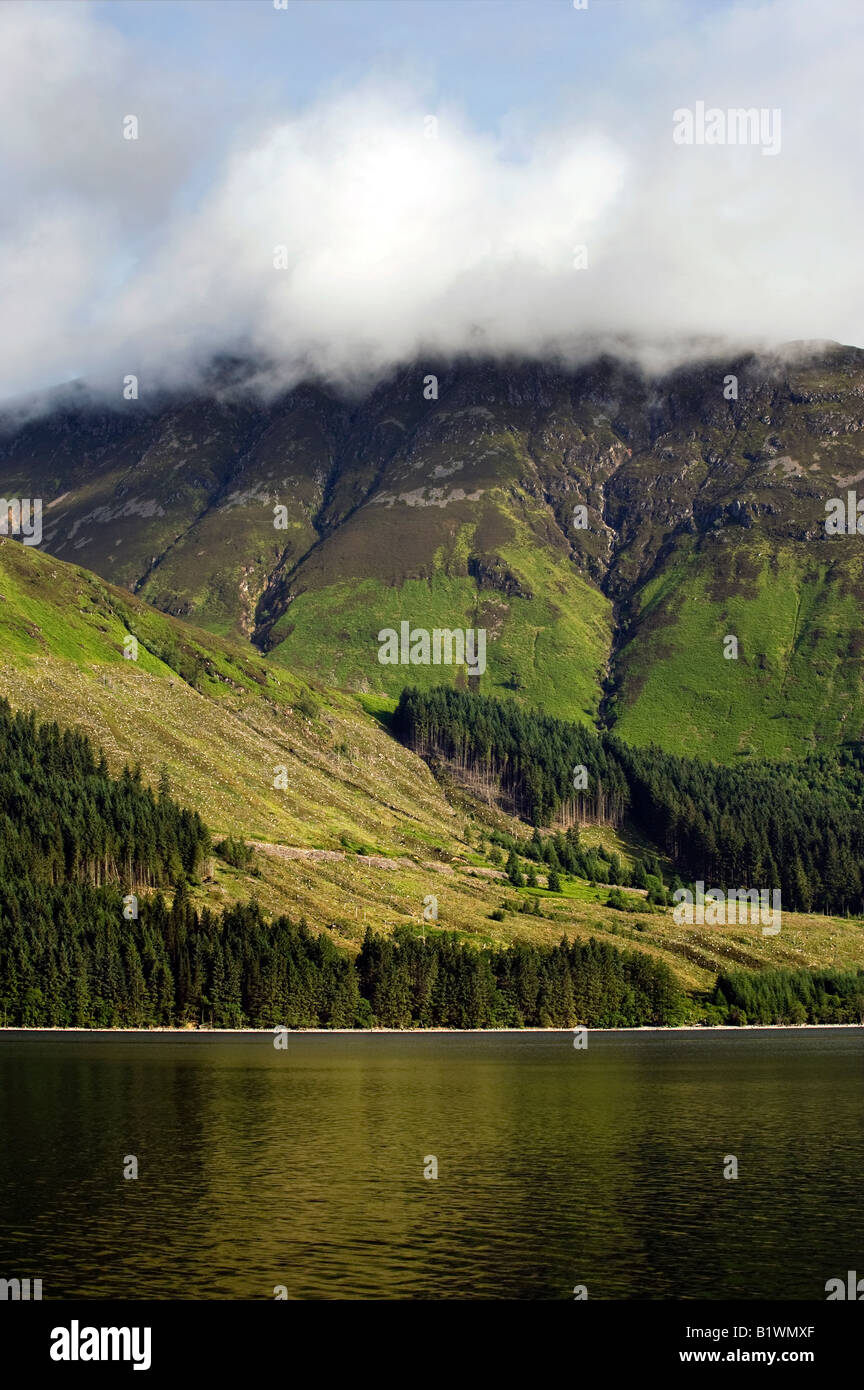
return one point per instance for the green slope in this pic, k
(220, 718)
(796, 684)
(550, 642)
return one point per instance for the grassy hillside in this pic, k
(214, 714)
(796, 683)
(362, 833)
(550, 643)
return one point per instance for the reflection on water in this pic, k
(556, 1166)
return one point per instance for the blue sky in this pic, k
(497, 58)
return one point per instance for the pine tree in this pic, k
(514, 873)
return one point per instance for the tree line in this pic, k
(72, 960)
(791, 996)
(440, 983)
(797, 826)
(75, 841)
(65, 820)
(562, 853)
(525, 758)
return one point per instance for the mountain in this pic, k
(357, 833)
(705, 520)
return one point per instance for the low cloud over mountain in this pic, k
(342, 236)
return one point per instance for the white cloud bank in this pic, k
(395, 238)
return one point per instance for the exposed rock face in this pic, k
(520, 484)
(492, 573)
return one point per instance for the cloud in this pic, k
(358, 233)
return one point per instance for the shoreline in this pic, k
(428, 1032)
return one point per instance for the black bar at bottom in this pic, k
(420, 1342)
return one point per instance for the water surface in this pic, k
(556, 1167)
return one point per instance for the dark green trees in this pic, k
(442, 984)
(514, 873)
(791, 996)
(797, 826)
